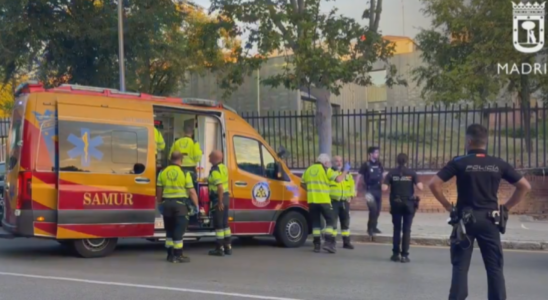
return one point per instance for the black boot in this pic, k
(405, 259)
(219, 249)
(317, 244)
(329, 245)
(395, 257)
(370, 228)
(179, 257)
(346, 243)
(170, 256)
(228, 246)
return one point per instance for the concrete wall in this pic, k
(535, 203)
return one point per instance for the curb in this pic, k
(444, 241)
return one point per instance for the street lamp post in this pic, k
(121, 45)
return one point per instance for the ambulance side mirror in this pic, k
(279, 170)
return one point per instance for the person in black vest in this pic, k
(477, 210)
(403, 205)
(371, 172)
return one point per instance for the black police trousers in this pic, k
(220, 219)
(175, 213)
(374, 212)
(488, 236)
(402, 218)
(317, 211)
(341, 211)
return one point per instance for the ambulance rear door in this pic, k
(106, 168)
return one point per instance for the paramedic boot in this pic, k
(179, 257)
(346, 243)
(317, 244)
(228, 246)
(329, 245)
(219, 250)
(169, 254)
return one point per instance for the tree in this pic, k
(76, 41)
(326, 50)
(462, 53)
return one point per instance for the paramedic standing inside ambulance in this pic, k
(191, 151)
(174, 189)
(316, 180)
(159, 139)
(219, 196)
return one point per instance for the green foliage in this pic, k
(323, 49)
(76, 41)
(465, 67)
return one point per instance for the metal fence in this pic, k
(4, 130)
(431, 135)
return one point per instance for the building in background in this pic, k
(255, 97)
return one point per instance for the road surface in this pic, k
(37, 269)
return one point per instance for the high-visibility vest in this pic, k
(343, 190)
(174, 182)
(218, 175)
(317, 179)
(159, 139)
(190, 149)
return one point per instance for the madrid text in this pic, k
(523, 69)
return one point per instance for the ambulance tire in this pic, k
(291, 230)
(92, 248)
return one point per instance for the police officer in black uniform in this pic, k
(478, 178)
(403, 204)
(371, 172)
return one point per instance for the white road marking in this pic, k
(523, 226)
(144, 286)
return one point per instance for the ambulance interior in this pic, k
(171, 123)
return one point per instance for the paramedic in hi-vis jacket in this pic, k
(315, 181)
(174, 188)
(191, 151)
(341, 195)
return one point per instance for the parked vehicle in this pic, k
(2, 174)
(73, 177)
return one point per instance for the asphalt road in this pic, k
(35, 269)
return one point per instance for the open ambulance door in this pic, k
(106, 170)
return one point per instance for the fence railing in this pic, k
(4, 130)
(430, 136)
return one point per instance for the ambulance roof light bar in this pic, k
(78, 87)
(206, 102)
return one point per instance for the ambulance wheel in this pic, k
(91, 248)
(291, 230)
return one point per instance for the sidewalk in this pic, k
(431, 229)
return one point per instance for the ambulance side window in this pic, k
(253, 157)
(248, 155)
(102, 148)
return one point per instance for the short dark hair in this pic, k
(372, 149)
(477, 134)
(402, 159)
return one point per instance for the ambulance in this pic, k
(82, 169)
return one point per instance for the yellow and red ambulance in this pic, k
(81, 169)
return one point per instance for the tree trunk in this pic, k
(525, 103)
(324, 114)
